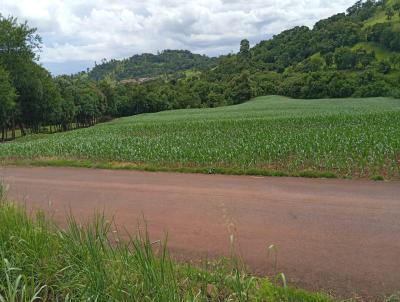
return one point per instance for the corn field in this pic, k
(348, 137)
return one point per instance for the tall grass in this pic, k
(41, 262)
(3, 192)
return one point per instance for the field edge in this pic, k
(112, 165)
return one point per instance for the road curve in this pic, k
(338, 236)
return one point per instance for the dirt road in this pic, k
(339, 236)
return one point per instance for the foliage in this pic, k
(384, 34)
(7, 101)
(150, 65)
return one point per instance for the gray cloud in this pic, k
(77, 31)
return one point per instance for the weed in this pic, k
(377, 178)
(3, 192)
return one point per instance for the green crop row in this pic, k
(349, 137)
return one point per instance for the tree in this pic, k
(240, 88)
(243, 58)
(311, 64)
(341, 85)
(51, 100)
(215, 99)
(396, 7)
(244, 48)
(7, 103)
(328, 57)
(30, 96)
(345, 58)
(364, 58)
(18, 42)
(389, 13)
(18, 46)
(384, 67)
(395, 60)
(90, 102)
(107, 87)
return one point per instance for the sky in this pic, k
(77, 33)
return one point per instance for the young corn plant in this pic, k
(267, 136)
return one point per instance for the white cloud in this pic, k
(78, 30)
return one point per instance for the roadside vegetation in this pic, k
(267, 136)
(41, 262)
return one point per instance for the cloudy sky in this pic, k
(76, 33)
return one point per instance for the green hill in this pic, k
(373, 22)
(351, 54)
(151, 65)
(366, 37)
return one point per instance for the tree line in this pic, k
(31, 100)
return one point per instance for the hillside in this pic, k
(351, 54)
(373, 22)
(368, 31)
(267, 136)
(151, 65)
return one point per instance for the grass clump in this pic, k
(377, 178)
(41, 262)
(3, 192)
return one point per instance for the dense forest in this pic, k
(149, 65)
(352, 54)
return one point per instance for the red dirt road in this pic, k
(338, 236)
